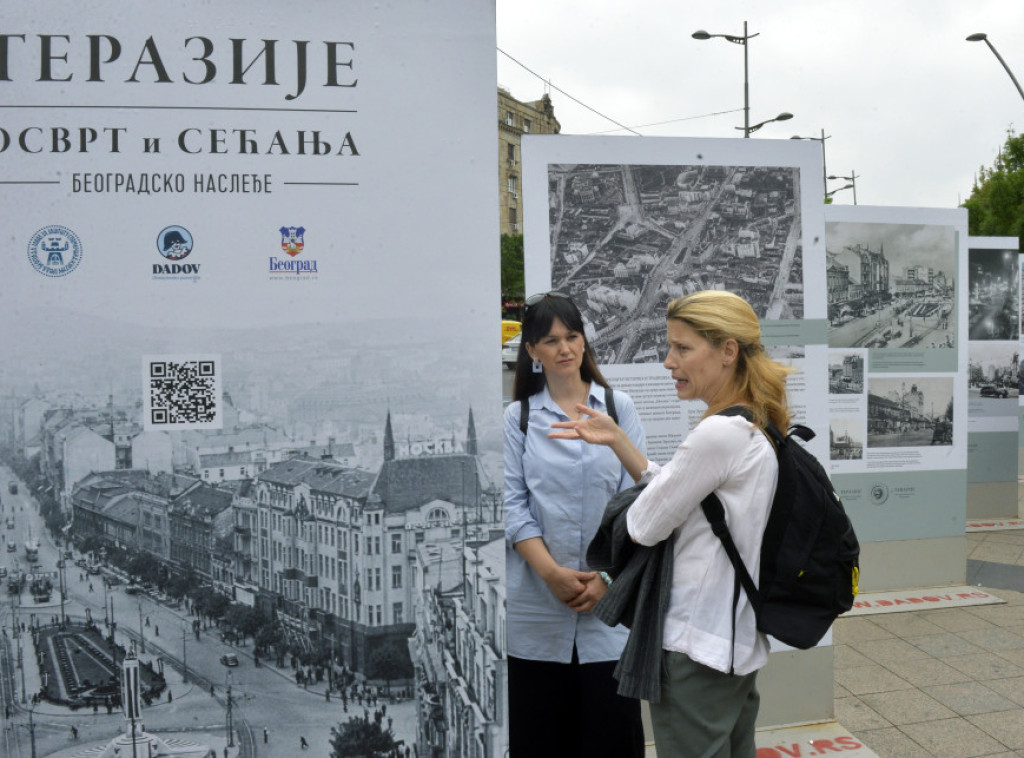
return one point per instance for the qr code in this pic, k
(182, 393)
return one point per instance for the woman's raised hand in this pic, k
(595, 427)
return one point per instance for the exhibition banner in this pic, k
(250, 333)
(993, 375)
(626, 225)
(897, 311)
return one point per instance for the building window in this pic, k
(510, 118)
(526, 125)
(396, 577)
(513, 216)
(396, 613)
(512, 184)
(511, 154)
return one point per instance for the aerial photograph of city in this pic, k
(326, 570)
(627, 239)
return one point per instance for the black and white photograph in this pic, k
(845, 438)
(994, 284)
(845, 373)
(993, 370)
(628, 238)
(910, 411)
(891, 285)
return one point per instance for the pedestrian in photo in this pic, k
(302, 743)
(266, 736)
(562, 695)
(711, 650)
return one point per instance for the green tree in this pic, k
(361, 737)
(996, 203)
(512, 284)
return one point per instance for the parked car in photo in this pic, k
(229, 659)
(991, 390)
(132, 589)
(510, 351)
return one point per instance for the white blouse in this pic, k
(731, 457)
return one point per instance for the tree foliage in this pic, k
(361, 737)
(996, 203)
(512, 282)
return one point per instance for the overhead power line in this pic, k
(579, 102)
(609, 118)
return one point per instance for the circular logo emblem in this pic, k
(174, 243)
(55, 251)
(879, 494)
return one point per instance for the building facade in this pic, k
(516, 118)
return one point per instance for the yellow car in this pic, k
(509, 329)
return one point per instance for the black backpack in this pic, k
(524, 409)
(809, 553)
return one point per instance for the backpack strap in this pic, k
(714, 512)
(609, 403)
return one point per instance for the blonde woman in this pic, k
(709, 697)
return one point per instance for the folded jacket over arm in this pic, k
(637, 598)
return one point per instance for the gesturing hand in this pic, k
(595, 427)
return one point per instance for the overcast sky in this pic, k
(905, 101)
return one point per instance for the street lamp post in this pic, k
(701, 34)
(982, 37)
(838, 189)
(824, 171)
(852, 179)
(184, 653)
(784, 116)
(63, 617)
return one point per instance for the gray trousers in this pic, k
(704, 713)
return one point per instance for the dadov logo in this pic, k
(879, 493)
(55, 251)
(175, 244)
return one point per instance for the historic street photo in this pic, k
(910, 411)
(846, 438)
(845, 373)
(994, 286)
(891, 285)
(992, 370)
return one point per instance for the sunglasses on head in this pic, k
(534, 299)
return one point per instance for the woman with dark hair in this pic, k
(562, 698)
(711, 647)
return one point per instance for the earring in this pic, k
(538, 367)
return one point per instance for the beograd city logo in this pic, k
(293, 242)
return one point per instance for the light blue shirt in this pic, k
(557, 490)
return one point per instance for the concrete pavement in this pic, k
(945, 682)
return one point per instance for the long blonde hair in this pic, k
(758, 382)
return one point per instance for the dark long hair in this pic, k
(536, 325)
